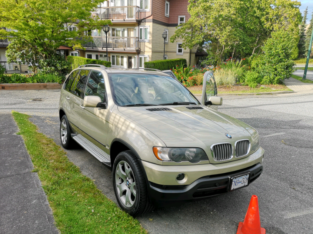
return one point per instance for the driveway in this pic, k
(285, 124)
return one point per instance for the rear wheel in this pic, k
(65, 134)
(129, 185)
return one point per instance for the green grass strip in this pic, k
(301, 79)
(302, 68)
(77, 205)
(251, 91)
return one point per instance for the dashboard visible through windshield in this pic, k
(149, 90)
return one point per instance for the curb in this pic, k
(30, 86)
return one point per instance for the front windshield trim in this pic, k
(126, 73)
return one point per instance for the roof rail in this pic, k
(148, 69)
(93, 65)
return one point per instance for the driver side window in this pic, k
(95, 85)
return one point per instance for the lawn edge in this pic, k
(31, 137)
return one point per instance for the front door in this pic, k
(94, 121)
(130, 62)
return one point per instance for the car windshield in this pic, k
(149, 89)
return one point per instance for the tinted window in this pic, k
(69, 81)
(79, 84)
(95, 85)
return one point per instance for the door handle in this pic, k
(67, 98)
(82, 107)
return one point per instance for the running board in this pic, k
(92, 149)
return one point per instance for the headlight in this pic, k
(192, 155)
(255, 142)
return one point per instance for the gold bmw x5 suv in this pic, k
(161, 142)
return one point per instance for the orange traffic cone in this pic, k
(252, 223)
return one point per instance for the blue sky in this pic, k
(304, 4)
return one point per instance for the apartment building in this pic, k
(136, 34)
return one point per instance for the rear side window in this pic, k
(95, 85)
(79, 84)
(69, 81)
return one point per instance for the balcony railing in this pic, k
(120, 13)
(119, 43)
(17, 67)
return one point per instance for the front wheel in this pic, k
(65, 134)
(129, 185)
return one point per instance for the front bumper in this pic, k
(204, 187)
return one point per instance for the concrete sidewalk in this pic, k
(298, 86)
(23, 204)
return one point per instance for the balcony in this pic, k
(4, 43)
(120, 13)
(118, 44)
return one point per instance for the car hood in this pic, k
(188, 126)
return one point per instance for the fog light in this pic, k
(180, 176)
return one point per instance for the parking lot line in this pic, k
(289, 215)
(275, 134)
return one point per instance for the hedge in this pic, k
(78, 61)
(165, 64)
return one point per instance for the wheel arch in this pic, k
(61, 113)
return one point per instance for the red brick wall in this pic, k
(178, 7)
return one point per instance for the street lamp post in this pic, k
(164, 35)
(308, 58)
(106, 29)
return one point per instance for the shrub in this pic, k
(275, 64)
(252, 79)
(37, 78)
(79, 61)
(56, 65)
(225, 77)
(166, 64)
(2, 70)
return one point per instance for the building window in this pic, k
(74, 53)
(144, 33)
(166, 39)
(144, 4)
(72, 28)
(89, 56)
(117, 60)
(142, 60)
(181, 19)
(165, 57)
(180, 49)
(167, 9)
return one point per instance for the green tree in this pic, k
(308, 36)
(275, 64)
(41, 26)
(237, 28)
(302, 40)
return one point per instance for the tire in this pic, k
(130, 185)
(65, 134)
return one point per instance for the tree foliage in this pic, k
(237, 27)
(41, 26)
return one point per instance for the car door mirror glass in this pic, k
(91, 101)
(209, 87)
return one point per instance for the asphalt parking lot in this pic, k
(285, 124)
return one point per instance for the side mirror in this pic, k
(209, 88)
(91, 101)
(215, 101)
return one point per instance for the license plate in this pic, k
(240, 181)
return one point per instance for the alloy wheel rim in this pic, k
(125, 184)
(63, 132)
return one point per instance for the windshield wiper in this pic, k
(178, 103)
(141, 105)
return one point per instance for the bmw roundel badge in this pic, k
(228, 136)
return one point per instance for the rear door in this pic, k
(77, 91)
(67, 96)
